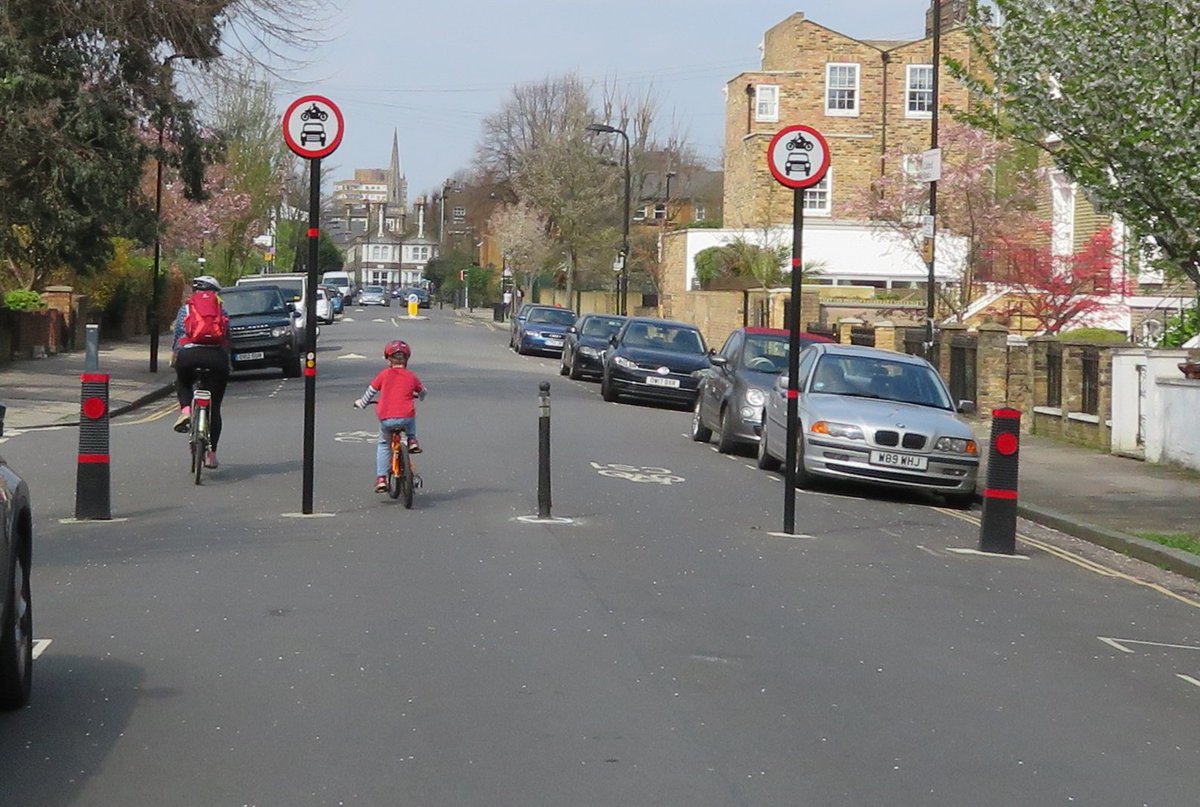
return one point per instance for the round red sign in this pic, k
(313, 126)
(798, 156)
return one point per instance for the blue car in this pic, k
(544, 330)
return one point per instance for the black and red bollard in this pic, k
(998, 528)
(93, 475)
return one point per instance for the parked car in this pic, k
(654, 359)
(262, 329)
(374, 295)
(515, 322)
(343, 282)
(874, 416)
(16, 603)
(732, 393)
(544, 329)
(336, 298)
(586, 340)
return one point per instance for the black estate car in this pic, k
(262, 329)
(654, 359)
(16, 605)
(586, 341)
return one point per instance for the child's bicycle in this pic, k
(401, 476)
(199, 438)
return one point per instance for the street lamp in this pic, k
(667, 203)
(623, 282)
(152, 318)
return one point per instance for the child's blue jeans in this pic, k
(383, 452)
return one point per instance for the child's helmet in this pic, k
(397, 347)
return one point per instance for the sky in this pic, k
(432, 71)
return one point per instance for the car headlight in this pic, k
(277, 332)
(957, 445)
(621, 361)
(755, 397)
(842, 430)
(589, 351)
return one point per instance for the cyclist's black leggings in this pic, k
(216, 361)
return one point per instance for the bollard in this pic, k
(998, 526)
(92, 348)
(544, 450)
(93, 474)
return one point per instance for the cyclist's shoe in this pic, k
(381, 484)
(413, 446)
(210, 459)
(184, 421)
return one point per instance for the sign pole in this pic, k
(310, 333)
(793, 390)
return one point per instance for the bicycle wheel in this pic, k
(395, 469)
(200, 447)
(406, 476)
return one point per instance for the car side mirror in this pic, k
(612, 340)
(718, 361)
(782, 383)
(966, 407)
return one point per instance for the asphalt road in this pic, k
(662, 648)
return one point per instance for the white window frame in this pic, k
(838, 112)
(825, 188)
(766, 103)
(660, 211)
(913, 93)
(698, 212)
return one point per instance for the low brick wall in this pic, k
(33, 334)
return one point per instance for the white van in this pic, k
(343, 282)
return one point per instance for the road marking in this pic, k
(997, 555)
(308, 515)
(547, 520)
(791, 535)
(153, 416)
(638, 473)
(278, 389)
(40, 645)
(347, 319)
(91, 520)
(380, 319)
(357, 437)
(1189, 679)
(1080, 561)
(352, 356)
(1120, 644)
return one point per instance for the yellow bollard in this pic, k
(412, 305)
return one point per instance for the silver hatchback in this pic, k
(874, 416)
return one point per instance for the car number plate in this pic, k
(659, 381)
(255, 356)
(554, 343)
(894, 460)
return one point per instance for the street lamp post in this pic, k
(667, 203)
(623, 282)
(152, 315)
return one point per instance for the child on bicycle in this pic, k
(397, 387)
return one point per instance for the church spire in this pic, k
(397, 190)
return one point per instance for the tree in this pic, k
(988, 190)
(83, 88)
(1054, 291)
(521, 232)
(1109, 91)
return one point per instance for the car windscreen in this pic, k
(373, 289)
(552, 316)
(292, 290)
(765, 354)
(662, 336)
(877, 377)
(602, 326)
(253, 301)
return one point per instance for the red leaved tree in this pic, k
(1054, 291)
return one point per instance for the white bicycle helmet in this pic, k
(206, 283)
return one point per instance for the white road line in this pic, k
(1189, 679)
(1114, 642)
(40, 645)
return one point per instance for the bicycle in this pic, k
(199, 438)
(401, 475)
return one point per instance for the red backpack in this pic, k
(205, 323)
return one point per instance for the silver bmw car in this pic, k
(875, 416)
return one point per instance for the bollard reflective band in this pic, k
(93, 459)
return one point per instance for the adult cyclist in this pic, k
(201, 342)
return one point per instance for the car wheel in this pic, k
(16, 634)
(521, 347)
(563, 369)
(765, 461)
(803, 477)
(606, 390)
(700, 432)
(725, 440)
(573, 371)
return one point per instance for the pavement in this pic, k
(1092, 495)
